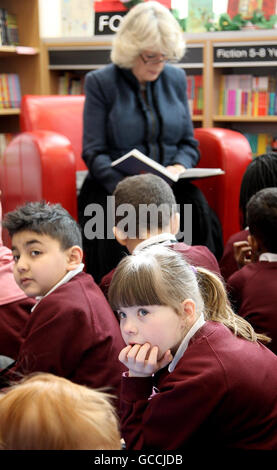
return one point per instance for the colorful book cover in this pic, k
(262, 103)
(247, 7)
(5, 90)
(199, 12)
(231, 102)
(262, 143)
(17, 89)
(77, 18)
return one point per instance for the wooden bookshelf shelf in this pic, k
(9, 111)
(20, 50)
(245, 118)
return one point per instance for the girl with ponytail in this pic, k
(197, 373)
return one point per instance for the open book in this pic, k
(135, 163)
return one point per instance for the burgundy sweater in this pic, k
(13, 317)
(228, 264)
(253, 292)
(73, 333)
(197, 255)
(222, 392)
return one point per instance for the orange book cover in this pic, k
(262, 103)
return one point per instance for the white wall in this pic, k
(50, 18)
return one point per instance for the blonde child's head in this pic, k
(46, 412)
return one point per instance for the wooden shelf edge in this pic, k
(245, 118)
(18, 50)
(9, 111)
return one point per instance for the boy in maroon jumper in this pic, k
(198, 377)
(15, 306)
(253, 288)
(147, 190)
(71, 332)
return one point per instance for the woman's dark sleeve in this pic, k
(95, 146)
(187, 154)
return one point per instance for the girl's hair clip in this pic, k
(194, 269)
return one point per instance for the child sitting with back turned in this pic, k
(15, 306)
(253, 288)
(198, 376)
(45, 412)
(72, 331)
(151, 191)
(261, 173)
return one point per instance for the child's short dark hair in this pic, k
(147, 190)
(262, 218)
(261, 173)
(47, 219)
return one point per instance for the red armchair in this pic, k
(42, 161)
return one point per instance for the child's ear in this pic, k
(189, 312)
(120, 237)
(254, 243)
(74, 257)
(175, 223)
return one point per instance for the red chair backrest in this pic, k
(57, 113)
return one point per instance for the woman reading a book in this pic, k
(139, 101)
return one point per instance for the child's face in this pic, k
(40, 263)
(155, 324)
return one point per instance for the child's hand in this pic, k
(242, 253)
(142, 360)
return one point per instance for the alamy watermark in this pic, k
(134, 222)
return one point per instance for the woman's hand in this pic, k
(142, 360)
(176, 169)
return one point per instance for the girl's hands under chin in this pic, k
(142, 359)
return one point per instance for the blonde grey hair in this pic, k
(161, 276)
(151, 27)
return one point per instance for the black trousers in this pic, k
(102, 255)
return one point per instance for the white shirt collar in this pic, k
(164, 238)
(271, 257)
(184, 344)
(64, 280)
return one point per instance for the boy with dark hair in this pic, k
(253, 288)
(153, 218)
(71, 332)
(15, 306)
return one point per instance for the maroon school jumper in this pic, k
(197, 255)
(253, 292)
(73, 333)
(222, 394)
(13, 317)
(228, 264)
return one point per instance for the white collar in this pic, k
(271, 257)
(165, 238)
(64, 280)
(184, 344)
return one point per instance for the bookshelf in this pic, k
(26, 60)
(246, 56)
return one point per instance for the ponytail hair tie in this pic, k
(194, 269)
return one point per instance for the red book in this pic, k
(262, 103)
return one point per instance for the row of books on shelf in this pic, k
(71, 84)
(10, 93)
(8, 28)
(4, 140)
(248, 95)
(195, 93)
(259, 142)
